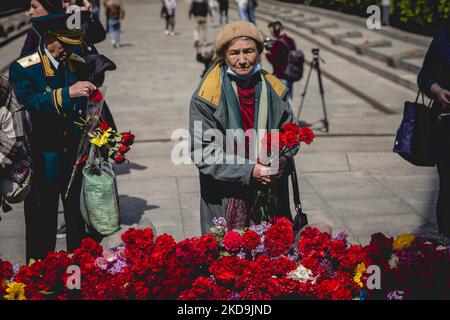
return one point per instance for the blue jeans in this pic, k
(114, 31)
(243, 13)
(223, 17)
(290, 90)
(251, 12)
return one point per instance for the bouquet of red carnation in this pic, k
(287, 139)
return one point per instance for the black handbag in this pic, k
(301, 219)
(414, 136)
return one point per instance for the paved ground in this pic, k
(349, 179)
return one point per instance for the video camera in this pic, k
(268, 43)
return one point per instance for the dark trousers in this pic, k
(443, 204)
(41, 215)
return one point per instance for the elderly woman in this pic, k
(237, 94)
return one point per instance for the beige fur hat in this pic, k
(234, 30)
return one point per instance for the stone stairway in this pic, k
(392, 53)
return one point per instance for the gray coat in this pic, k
(219, 182)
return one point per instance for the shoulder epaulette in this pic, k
(30, 60)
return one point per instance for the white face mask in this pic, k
(256, 69)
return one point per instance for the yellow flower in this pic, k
(360, 270)
(15, 291)
(402, 241)
(102, 140)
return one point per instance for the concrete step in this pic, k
(13, 26)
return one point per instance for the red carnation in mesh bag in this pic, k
(97, 97)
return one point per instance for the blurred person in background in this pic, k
(199, 10)
(204, 56)
(115, 14)
(95, 7)
(223, 8)
(251, 7)
(168, 13)
(434, 81)
(243, 9)
(91, 26)
(214, 10)
(278, 54)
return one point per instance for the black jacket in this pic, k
(199, 8)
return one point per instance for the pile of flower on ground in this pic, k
(263, 262)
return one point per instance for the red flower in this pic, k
(313, 243)
(310, 263)
(123, 149)
(82, 160)
(279, 238)
(127, 138)
(307, 135)
(6, 273)
(232, 241)
(381, 244)
(104, 125)
(338, 248)
(273, 142)
(204, 288)
(228, 270)
(197, 252)
(250, 240)
(280, 267)
(97, 97)
(291, 127)
(281, 287)
(355, 255)
(5, 270)
(291, 139)
(119, 158)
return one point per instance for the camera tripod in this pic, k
(315, 64)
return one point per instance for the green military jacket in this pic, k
(44, 92)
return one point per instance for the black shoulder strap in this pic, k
(284, 42)
(301, 219)
(295, 188)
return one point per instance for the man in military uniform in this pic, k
(50, 84)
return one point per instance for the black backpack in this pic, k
(296, 60)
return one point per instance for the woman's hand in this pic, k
(261, 174)
(282, 163)
(441, 95)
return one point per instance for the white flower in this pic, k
(393, 261)
(301, 274)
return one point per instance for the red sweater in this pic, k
(247, 105)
